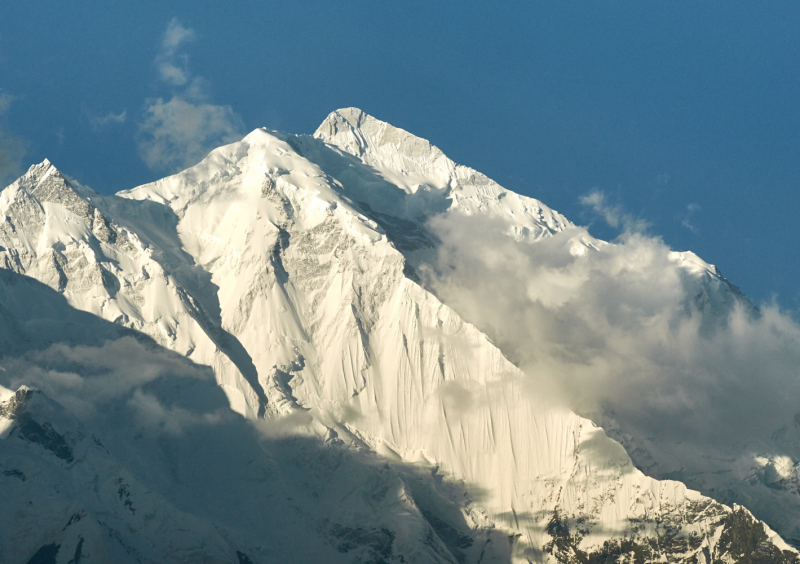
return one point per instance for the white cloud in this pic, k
(173, 74)
(179, 132)
(172, 65)
(623, 329)
(614, 215)
(176, 35)
(121, 373)
(98, 122)
(5, 102)
(150, 413)
(285, 425)
(686, 217)
(12, 149)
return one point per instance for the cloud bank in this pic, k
(178, 132)
(120, 376)
(630, 329)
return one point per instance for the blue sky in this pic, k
(682, 115)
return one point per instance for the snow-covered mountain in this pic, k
(242, 362)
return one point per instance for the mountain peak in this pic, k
(46, 183)
(41, 170)
(417, 167)
(351, 115)
(357, 132)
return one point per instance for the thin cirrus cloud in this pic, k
(178, 132)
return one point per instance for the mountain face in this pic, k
(242, 363)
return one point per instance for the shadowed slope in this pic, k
(141, 459)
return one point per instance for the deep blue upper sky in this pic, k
(685, 114)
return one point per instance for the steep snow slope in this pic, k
(55, 231)
(141, 460)
(276, 261)
(428, 182)
(761, 476)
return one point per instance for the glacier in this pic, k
(244, 362)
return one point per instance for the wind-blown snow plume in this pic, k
(625, 328)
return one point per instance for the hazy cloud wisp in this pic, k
(614, 215)
(172, 64)
(12, 149)
(99, 122)
(178, 132)
(686, 218)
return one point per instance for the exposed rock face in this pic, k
(382, 426)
